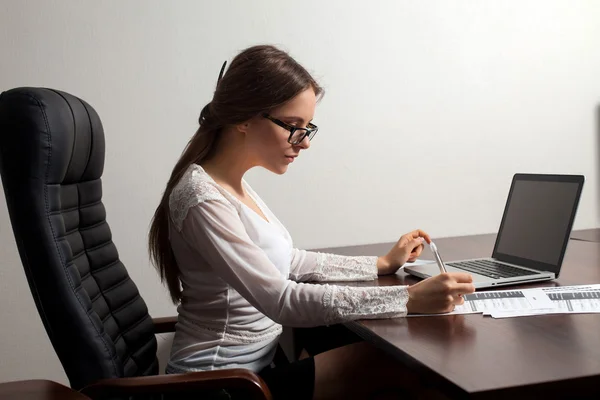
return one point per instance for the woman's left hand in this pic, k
(407, 249)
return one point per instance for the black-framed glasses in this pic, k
(297, 135)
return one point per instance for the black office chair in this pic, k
(51, 163)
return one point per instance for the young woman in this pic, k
(231, 265)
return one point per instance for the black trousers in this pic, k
(296, 380)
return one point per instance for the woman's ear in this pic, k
(243, 127)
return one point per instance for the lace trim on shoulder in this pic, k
(335, 267)
(194, 188)
(346, 303)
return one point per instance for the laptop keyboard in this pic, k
(491, 269)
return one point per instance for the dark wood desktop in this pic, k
(471, 356)
(588, 235)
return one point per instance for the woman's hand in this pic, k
(440, 293)
(407, 249)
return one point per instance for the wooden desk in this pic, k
(471, 356)
(588, 235)
(38, 390)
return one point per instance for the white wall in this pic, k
(430, 108)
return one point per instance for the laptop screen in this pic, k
(537, 220)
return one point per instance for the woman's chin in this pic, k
(278, 169)
(282, 169)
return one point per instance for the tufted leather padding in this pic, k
(51, 162)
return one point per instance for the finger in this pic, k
(421, 233)
(412, 258)
(450, 308)
(459, 301)
(415, 244)
(461, 277)
(417, 251)
(462, 288)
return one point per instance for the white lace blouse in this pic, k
(242, 279)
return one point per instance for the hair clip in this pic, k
(221, 73)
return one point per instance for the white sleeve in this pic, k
(321, 267)
(214, 229)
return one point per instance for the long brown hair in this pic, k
(259, 79)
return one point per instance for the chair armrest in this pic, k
(164, 324)
(239, 379)
(38, 389)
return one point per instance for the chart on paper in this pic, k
(504, 300)
(565, 300)
(529, 302)
(577, 301)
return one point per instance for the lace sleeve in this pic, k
(345, 303)
(321, 267)
(214, 231)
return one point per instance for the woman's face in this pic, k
(267, 142)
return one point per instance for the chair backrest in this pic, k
(51, 163)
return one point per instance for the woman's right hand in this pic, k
(439, 294)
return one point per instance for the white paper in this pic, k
(576, 299)
(565, 300)
(577, 288)
(488, 302)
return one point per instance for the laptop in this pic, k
(533, 235)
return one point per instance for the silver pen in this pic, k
(437, 257)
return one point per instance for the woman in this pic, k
(231, 264)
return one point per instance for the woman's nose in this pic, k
(305, 143)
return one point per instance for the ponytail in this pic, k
(200, 146)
